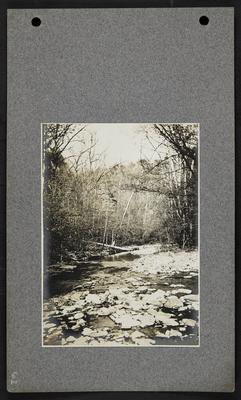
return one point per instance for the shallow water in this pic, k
(99, 277)
(61, 282)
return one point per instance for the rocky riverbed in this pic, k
(146, 297)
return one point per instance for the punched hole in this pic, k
(204, 20)
(36, 21)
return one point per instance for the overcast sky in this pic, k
(123, 143)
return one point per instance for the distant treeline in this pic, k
(142, 202)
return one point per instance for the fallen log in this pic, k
(110, 246)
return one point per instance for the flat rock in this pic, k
(53, 337)
(184, 308)
(68, 309)
(170, 322)
(193, 306)
(81, 341)
(105, 311)
(189, 322)
(75, 296)
(160, 334)
(165, 318)
(51, 313)
(78, 315)
(87, 332)
(94, 299)
(68, 267)
(190, 297)
(98, 333)
(136, 305)
(183, 291)
(157, 297)
(92, 311)
(51, 330)
(176, 285)
(80, 323)
(80, 303)
(146, 320)
(127, 321)
(173, 302)
(50, 325)
(136, 334)
(70, 339)
(173, 333)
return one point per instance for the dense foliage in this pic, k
(86, 201)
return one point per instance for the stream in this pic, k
(139, 298)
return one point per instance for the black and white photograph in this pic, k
(120, 234)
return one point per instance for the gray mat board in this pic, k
(123, 65)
